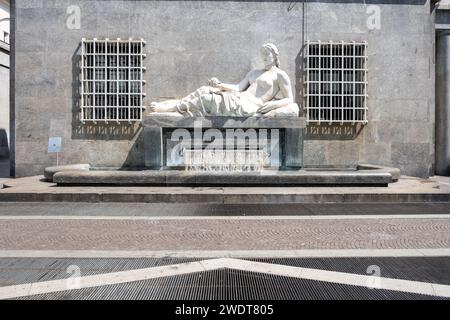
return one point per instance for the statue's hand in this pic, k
(267, 107)
(214, 82)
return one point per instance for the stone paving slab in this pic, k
(223, 234)
(407, 189)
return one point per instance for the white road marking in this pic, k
(319, 217)
(307, 253)
(36, 288)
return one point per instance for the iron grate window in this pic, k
(336, 82)
(112, 80)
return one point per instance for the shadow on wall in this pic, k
(4, 155)
(333, 132)
(106, 132)
(300, 79)
(324, 131)
(4, 148)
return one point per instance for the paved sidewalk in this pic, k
(253, 233)
(408, 189)
(221, 257)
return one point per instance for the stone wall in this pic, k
(190, 41)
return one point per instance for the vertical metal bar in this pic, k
(82, 81)
(94, 69)
(117, 79)
(342, 81)
(365, 81)
(308, 67)
(331, 83)
(320, 80)
(129, 81)
(106, 81)
(354, 82)
(141, 78)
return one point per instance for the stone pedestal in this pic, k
(283, 136)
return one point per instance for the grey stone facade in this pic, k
(190, 41)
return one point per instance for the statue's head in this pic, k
(270, 54)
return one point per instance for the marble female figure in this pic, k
(263, 92)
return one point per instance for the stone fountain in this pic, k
(246, 134)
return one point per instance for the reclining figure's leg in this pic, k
(199, 92)
(291, 110)
(198, 104)
(192, 101)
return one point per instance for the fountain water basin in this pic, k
(223, 151)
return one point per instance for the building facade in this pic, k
(188, 42)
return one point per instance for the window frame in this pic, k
(112, 81)
(349, 104)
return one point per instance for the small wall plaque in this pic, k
(54, 145)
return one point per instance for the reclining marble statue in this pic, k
(264, 92)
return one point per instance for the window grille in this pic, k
(112, 80)
(336, 82)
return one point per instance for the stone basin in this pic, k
(364, 175)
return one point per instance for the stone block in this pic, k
(364, 177)
(410, 153)
(51, 171)
(153, 147)
(376, 153)
(293, 148)
(315, 153)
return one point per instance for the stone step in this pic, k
(220, 178)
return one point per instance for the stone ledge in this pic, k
(395, 172)
(225, 122)
(138, 197)
(51, 171)
(190, 178)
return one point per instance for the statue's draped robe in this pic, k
(210, 102)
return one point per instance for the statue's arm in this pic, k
(245, 83)
(228, 87)
(285, 92)
(285, 89)
(242, 86)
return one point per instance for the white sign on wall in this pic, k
(54, 145)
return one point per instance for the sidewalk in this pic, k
(406, 190)
(225, 233)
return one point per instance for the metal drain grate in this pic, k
(226, 284)
(229, 285)
(429, 269)
(14, 271)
